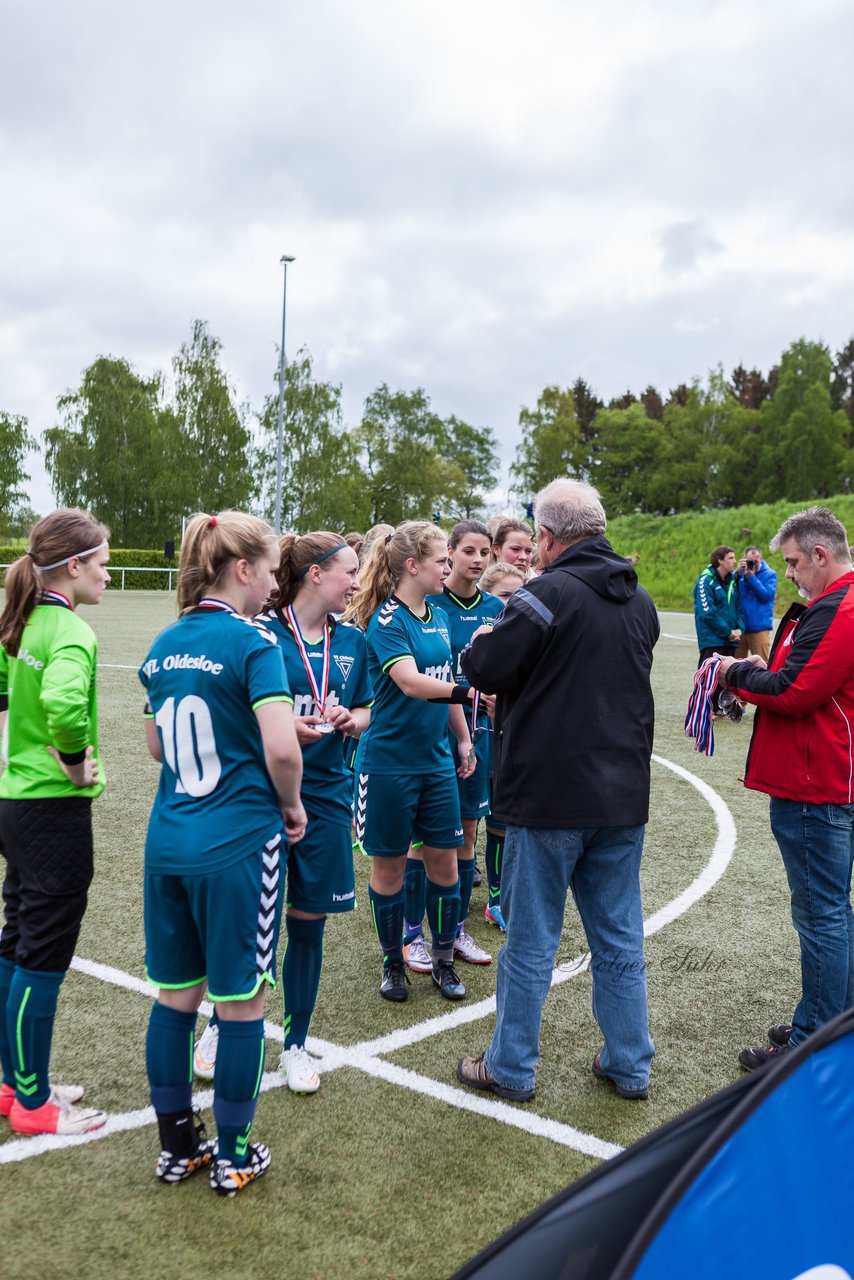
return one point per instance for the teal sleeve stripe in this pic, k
(400, 658)
(272, 697)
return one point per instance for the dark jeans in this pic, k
(48, 849)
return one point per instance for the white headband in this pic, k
(78, 555)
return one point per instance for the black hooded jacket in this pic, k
(570, 661)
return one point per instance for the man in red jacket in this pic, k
(802, 755)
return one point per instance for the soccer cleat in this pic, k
(492, 915)
(171, 1168)
(300, 1069)
(477, 878)
(475, 1072)
(631, 1093)
(447, 980)
(227, 1178)
(204, 1054)
(465, 948)
(750, 1059)
(394, 981)
(69, 1093)
(781, 1034)
(417, 955)
(55, 1116)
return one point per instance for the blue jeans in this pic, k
(817, 845)
(601, 866)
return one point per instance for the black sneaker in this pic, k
(227, 1178)
(780, 1034)
(447, 980)
(172, 1168)
(638, 1094)
(394, 981)
(750, 1059)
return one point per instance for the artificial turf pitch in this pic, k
(372, 1177)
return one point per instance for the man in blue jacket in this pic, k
(718, 612)
(757, 586)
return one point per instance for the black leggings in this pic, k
(48, 849)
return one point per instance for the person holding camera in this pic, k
(757, 587)
(718, 611)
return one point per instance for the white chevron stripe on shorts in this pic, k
(361, 806)
(267, 908)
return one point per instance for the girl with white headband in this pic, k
(48, 713)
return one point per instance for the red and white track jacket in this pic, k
(802, 746)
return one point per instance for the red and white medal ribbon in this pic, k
(475, 712)
(320, 692)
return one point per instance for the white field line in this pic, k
(117, 666)
(668, 635)
(528, 1121)
(718, 862)
(363, 1056)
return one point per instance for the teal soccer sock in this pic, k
(387, 914)
(466, 870)
(169, 1060)
(7, 970)
(301, 976)
(30, 1014)
(237, 1079)
(414, 899)
(443, 913)
(494, 852)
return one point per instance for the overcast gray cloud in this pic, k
(483, 198)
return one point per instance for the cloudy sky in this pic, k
(482, 198)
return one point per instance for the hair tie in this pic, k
(388, 538)
(31, 555)
(212, 522)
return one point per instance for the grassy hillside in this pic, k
(671, 550)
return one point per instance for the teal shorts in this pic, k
(221, 928)
(399, 809)
(474, 790)
(320, 868)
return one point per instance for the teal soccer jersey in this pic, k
(205, 676)
(327, 783)
(406, 734)
(464, 618)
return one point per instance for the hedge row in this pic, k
(119, 559)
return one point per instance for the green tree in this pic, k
(628, 450)
(211, 430)
(842, 385)
(709, 454)
(552, 443)
(114, 453)
(323, 486)
(401, 443)
(473, 452)
(15, 443)
(803, 440)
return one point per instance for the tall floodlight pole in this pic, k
(280, 438)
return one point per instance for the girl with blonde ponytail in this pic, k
(220, 720)
(48, 663)
(406, 774)
(327, 672)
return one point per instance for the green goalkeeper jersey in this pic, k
(49, 688)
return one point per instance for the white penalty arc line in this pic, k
(363, 1056)
(721, 856)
